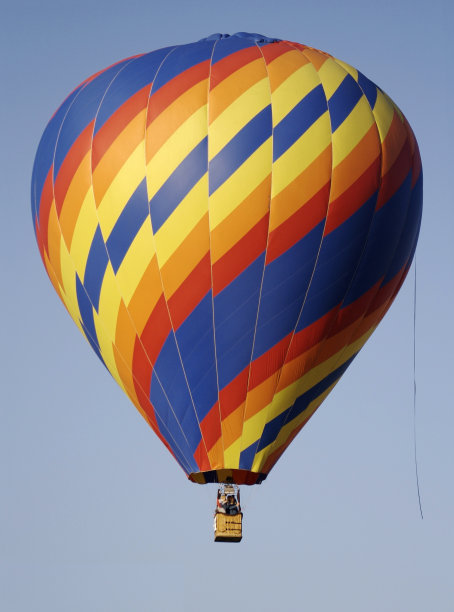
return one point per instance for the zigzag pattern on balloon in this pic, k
(227, 222)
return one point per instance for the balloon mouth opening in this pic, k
(239, 477)
(257, 38)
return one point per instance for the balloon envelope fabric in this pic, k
(227, 222)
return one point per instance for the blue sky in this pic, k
(95, 515)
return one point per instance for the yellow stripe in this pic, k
(331, 76)
(106, 348)
(237, 115)
(289, 428)
(182, 220)
(293, 90)
(352, 130)
(69, 285)
(351, 71)
(383, 113)
(109, 303)
(301, 154)
(175, 149)
(232, 454)
(135, 262)
(84, 232)
(240, 184)
(121, 189)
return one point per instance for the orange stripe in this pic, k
(222, 95)
(146, 295)
(231, 63)
(245, 251)
(108, 133)
(74, 199)
(185, 258)
(241, 220)
(116, 156)
(172, 90)
(172, 117)
(54, 241)
(191, 291)
(301, 189)
(284, 66)
(71, 163)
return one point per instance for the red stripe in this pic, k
(106, 135)
(71, 163)
(230, 64)
(191, 291)
(354, 197)
(298, 225)
(272, 51)
(156, 330)
(269, 363)
(240, 256)
(232, 395)
(396, 175)
(174, 88)
(211, 427)
(201, 457)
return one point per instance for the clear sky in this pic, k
(95, 515)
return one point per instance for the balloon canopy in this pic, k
(227, 222)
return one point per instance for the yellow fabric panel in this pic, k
(238, 186)
(298, 157)
(331, 76)
(293, 90)
(136, 260)
(383, 113)
(69, 285)
(84, 232)
(289, 428)
(281, 68)
(106, 348)
(109, 302)
(53, 239)
(182, 220)
(237, 115)
(117, 154)
(174, 150)
(120, 190)
(174, 115)
(74, 198)
(351, 71)
(222, 95)
(352, 130)
(227, 234)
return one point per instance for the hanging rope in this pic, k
(414, 397)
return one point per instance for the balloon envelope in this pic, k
(227, 222)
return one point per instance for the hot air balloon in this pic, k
(227, 222)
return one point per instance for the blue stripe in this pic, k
(384, 236)
(240, 148)
(235, 313)
(369, 89)
(170, 372)
(247, 457)
(272, 429)
(343, 101)
(181, 59)
(168, 424)
(196, 343)
(86, 317)
(45, 152)
(284, 286)
(339, 257)
(95, 268)
(298, 120)
(128, 225)
(179, 184)
(135, 76)
(82, 112)
(409, 237)
(231, 45)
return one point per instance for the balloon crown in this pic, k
(258, 38)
